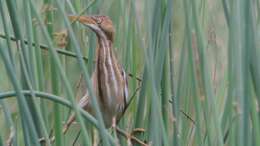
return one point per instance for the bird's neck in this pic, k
(104, 50)
(108, 72)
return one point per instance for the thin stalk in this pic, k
(206, 82)
(194, 82)
(7, 33)
(1, 141)
(10, 123)
(55, 79)
(39, 75)
(226, 11)
(140, 116)
(17, 31)
(45, 47)
(37, 110)
(24, 110)
(28, 76)
(165, 93)
(54, 98)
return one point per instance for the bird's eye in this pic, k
(99, 20)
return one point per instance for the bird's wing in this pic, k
(122, 107)
(125, 87)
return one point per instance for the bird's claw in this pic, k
(137, 131)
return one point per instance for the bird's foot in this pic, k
(137, 131)
(131, 139)
(43, 140)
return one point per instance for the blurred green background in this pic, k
(198, 62)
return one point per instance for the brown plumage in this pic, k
(109, 79)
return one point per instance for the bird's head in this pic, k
(101, 25)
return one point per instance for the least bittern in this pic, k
(109, 79)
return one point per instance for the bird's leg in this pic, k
(113, 122)
(114, 130)
(130, 138)
(83, 103)
(72, 117)
(43, 140)
(68, 123)
(77, 137)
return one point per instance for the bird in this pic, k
(109, 79)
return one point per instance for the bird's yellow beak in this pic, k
(82, 19)
(89, 21)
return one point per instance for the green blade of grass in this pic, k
(56, 99)
(194, 82)
(55, 79)
(215, 138)
(26, 68)
(9, 122)
(24, 110)
(7, 33)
